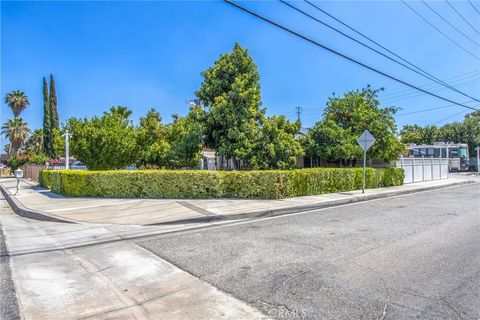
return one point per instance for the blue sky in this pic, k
(151, 54)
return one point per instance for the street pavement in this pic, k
(415, 256)
(8, 299)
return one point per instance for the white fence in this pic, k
(423, 169)
(62, 167)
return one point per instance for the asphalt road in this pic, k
(409, 257)
(8, 299)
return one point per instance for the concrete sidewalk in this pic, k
(97, 280)
(162, 211)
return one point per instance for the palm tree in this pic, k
(6, 148)
(17, 101)
(17, 131)
(35, 141)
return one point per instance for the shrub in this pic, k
(268, 184)
(18, 160)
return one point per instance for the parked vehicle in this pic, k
(458, 159)
(78, 165)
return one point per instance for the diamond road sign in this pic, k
(366, 140)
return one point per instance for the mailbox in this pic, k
(19, 173)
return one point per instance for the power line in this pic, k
(430, 109)
(473, 6)
(433, 26)
(230, 2)
(449, 117)
(464, 76)
(429, 76)
(414, 94)
(451, 25)
(461, 16)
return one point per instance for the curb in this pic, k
(25, 212)
(301, 208)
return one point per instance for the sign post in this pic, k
(366, 140)
(478, 160)
(67, 149)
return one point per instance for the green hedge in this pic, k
(268, 184)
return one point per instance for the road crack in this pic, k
(382, 282)
(458, 313)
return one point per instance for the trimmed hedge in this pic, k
(195, 184)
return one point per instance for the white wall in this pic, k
(423, 169)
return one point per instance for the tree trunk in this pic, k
(234, 164)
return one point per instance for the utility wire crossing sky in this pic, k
(151, 54)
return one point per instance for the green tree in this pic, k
(186, 138)
(53, 114)
(152, 145)
(17, 131)
(35, 142)
(231, 91)
(58, 143)
(466, 131)
(106, 142)
(418, 134)
(359, 110)
(330, 142)
(276, 146)
(17, 101)
(53, 104)
(47, 127)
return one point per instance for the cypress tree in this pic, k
(53, 104)
(47, 132)
(53, 115)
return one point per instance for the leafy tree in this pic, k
(475, 114)
(276, 146)
(418, 134)
(17, 131)
(186, 138)
(17, 101)
(35, 142)
(330, 142)
(359, 110)
(231, 91)
(152, 142)
(412, 134)
(58, 143)
(106, 142)
(47, 127)
(467, 131)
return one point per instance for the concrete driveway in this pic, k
(408, 257)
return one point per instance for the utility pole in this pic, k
(67, 149)
(478, 160)
(298, 111)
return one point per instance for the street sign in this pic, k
(366, 140)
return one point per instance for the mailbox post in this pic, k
(18, 175)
